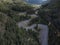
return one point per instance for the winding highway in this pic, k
(43, 35)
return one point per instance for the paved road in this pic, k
(43, 37)
(43, 34)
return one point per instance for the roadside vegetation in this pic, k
(10, 34)
(50, 13)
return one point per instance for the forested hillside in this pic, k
(10, 34)
(50, 13)
(18, 11)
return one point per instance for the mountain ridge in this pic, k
(36, 1)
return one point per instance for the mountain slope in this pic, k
(50, 13)
(10, 34)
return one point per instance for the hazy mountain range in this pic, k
(36, 1)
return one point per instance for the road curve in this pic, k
(43, 35)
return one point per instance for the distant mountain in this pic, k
(11, 1)
(35, 1)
